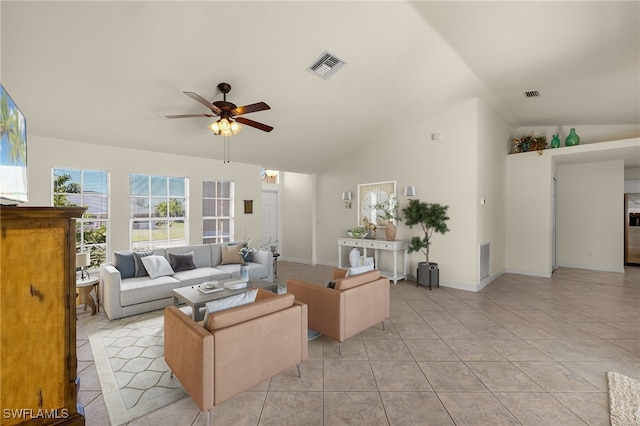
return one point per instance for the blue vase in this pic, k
(555, 141)
(572, 138)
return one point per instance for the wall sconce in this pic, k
(346, 197)
(409, 191)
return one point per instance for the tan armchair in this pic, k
(246, 345)
(357, 303)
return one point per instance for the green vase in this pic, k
(555, 141)
(572, 138)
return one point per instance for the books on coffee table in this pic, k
(236, 284)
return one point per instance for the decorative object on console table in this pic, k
(387, 210)
(555, 141)
(354, 257)
(39, 292)
(572, 138)
(432, 217)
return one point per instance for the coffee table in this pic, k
(194, 298)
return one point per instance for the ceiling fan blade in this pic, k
(255, 124)
(260, 106)
(204, 102)
(189, 115)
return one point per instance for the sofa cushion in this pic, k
(256, 270)
(262, 306)
(357, 280)
(231, 254)
(181, 262)
(200, 275)
(156, 266)
(123, 261)
(201, 254)
(139, 269)
(145, 289)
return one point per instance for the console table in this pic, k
(379, 245)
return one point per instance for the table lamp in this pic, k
(83, 259)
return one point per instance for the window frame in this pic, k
(147, 199)
(98, 250)
(219, 219)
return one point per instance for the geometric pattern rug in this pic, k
(129, 357)
(624, 399)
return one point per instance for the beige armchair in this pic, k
(357, 303)
(246, 345)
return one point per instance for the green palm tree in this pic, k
(12, 127)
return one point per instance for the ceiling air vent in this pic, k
(531, 93)
(326, 65)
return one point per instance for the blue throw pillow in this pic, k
(123, 261)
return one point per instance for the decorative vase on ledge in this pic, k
(555, 141)
(572, 138)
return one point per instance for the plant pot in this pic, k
(428, 274)
(390, 231)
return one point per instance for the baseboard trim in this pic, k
(591, 268)
(529, 273)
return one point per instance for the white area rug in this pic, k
(624, 399)
(129, 358)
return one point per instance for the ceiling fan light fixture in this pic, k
(235, 127)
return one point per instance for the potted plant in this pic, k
(432, 217)
(388, 210)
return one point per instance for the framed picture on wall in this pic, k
(368, 195)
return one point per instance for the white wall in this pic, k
(492, 187)
(590, 215)
(528, 221)
(297, 217)
(47, 153)
(529, 192)
(443, 171)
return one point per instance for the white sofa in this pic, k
(135, 295)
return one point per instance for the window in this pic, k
(157, 211)
(217, 211)
(87, 188)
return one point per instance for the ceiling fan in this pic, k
(228, 112)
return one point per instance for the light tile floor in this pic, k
(524, 350)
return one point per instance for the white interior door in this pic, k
(270, 217)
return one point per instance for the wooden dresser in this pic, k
(38, 363)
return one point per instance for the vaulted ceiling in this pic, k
(108, 72)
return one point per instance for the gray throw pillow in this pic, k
(139, 270)
(181, 262)
(123, 262)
